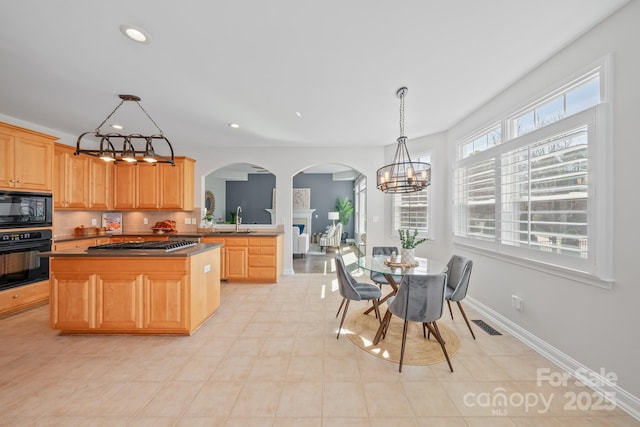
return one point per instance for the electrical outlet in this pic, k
(193, 221)
(145, 220)
(516, 302)
(187, 221)
(94, 221)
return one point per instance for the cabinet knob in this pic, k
(19, 181)
(16, 296)
(12, 180)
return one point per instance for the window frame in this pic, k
(597, 268)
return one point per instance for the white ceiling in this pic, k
(256, 63)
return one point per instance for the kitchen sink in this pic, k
(233, 232)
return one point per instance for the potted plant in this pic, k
(408, 241)
(207, 220)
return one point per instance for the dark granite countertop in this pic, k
(182, 235)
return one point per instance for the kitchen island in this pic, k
(134, 291)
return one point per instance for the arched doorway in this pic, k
(321, 195)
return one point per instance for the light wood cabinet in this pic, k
(23, 297)
(256, 259)
(137, 295)
(80, 244)
(71, 179)
(124, 186)
(236, 259)
(160, 186)
(26, 159)
(100, 184)
(80, 182)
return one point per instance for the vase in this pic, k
(407, 256)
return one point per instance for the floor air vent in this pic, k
(488, 329)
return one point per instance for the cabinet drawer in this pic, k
(23, 296)
(236, 241)
(262, 250)
(262, 261)
(262, 241)
(262, 273)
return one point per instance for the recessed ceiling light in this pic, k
(136, 34)
(116, 126)
(234, 125)
(298, 113)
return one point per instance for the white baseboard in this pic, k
(622, 398)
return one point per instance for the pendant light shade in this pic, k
(403, 175)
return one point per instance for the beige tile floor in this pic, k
(268, 357)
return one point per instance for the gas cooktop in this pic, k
(166, 246)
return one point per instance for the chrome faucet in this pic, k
(238, 217)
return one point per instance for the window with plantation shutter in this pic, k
(411, 210)
(545, 194)
(474, 200)
(535, 186)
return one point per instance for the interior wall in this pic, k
(587, 323)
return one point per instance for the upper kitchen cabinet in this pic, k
(70, 179)
(26, 159)
(160, 186)
(100, 184)
(80, 182)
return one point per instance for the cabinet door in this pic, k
(165, 301)
(100, 173)
(59, 178)
(117, 301)
(148, 186)
(124, 186)
(6, 161)
(33, 164)
(77, 181)
(72, 302)
(171, 187)
(237, 262)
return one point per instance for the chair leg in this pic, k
(433, 327)
(404, 340)
(344, 314)
(450, 312)
(340, 308)
(465, 319)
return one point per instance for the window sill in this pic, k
(565, 273)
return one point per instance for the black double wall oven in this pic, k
(22, 238)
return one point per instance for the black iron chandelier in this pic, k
(403, 175)
(106, 142)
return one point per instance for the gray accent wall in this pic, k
(324, 193)
(253, 195)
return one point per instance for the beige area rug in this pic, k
(361, 329)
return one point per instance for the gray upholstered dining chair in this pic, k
(352, 290)
(458, 275)
(376, 277)
(420, 298)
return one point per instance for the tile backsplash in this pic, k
(132, 221)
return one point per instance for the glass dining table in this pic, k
(393, 272)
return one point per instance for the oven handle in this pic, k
(38, 245)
